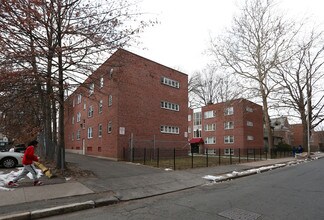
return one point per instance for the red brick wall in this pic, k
(137, 93)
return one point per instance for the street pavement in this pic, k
(112, 182)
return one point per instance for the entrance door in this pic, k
(195, 148)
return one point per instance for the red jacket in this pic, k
(29, 156)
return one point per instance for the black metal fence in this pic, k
(185, 159)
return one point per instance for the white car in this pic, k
(10, 159)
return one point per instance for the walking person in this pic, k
(27, 161)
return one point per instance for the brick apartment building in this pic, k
(228, 126)
(127, 98)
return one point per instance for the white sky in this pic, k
(182, 36)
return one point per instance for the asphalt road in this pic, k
(294, 193)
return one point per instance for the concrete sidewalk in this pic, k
(110, 187)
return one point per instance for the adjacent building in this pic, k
(129, 101)
(229, 126)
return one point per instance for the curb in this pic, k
(61, 209)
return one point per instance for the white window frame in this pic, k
(100, 105)
(78, 134)
(228, 151)
(228, 125)
(101, 82)
(189, 129)
(73, 119)
(79, 98)
(229, 139)
(78, 119)
(100, 130)
(229, 111)
(210, 127)
(170, 82)
(90, 111)
(170, 106)
(209, 114)
(189, 117)
(91, 88)
(110, 100)
(250, 138)
(90, 132)
(210, 140)
(249, 109)
(249, 123)
(167, 129)
(109, 127)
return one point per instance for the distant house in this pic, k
(316, 139)
(128, 102)
(228, 126)
(281, 130)
(3, 140)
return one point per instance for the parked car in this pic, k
(20, 148)
(10, 159)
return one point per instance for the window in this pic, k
(73, 120)
(189, 130)
(228, 151)
(110, 100)
(90, 111)
(84, 106)
(250, 138)
(72, 137)
(78, 135)
(91, 89)
(197, 133)
(101, 82)
(170, 82)
(209, 114)
(210, 127)
(100, 107)
(90, 132)
(73, 102)
(79, 98)
(210, 140)
(228, 139)
(100, 130)
(228, 125)
(248, 109)
(170, 106)
(111, 73)
(109, 127)
(189, 117)
(169, 129)
(249, 123)
(78, 117)
(229, 111)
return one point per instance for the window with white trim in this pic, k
(109, 128)
(91, 89)
(229, 111)
(90, 111)
(110, 99)
(250, 138)
(169, 129)
(73, 102)
(228, 125)
(78, 119)
(78, 135)
(228, 139)
(100, 106)
(100, 130)
(170, 82)
(72, 137)
(101, 82)
(73, 120)
(228, 151)
(79, 98)
(249, 109)
(210, 127)
(209, 114)
(189, 129)
(169, 106)
(210, 140)
(189, 117)
(249, 123)
(90, 132)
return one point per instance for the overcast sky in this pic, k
(182, 36)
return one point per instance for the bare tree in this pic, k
(253, 48)
(301, 80)
(60, 42)
(209, 86)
